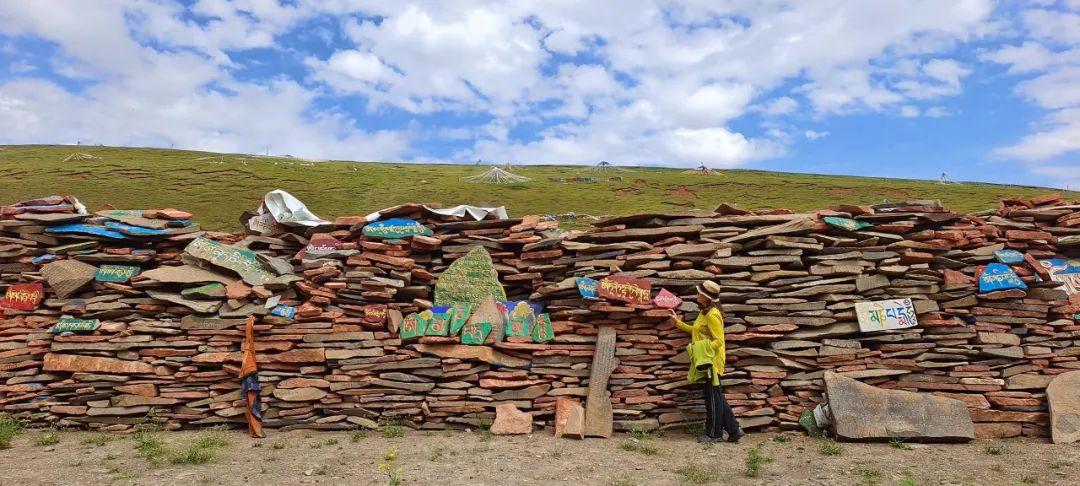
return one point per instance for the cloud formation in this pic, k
(677, 83)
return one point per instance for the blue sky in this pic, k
(977, 89)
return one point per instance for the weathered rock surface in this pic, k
(1064, 397)
(864, 412)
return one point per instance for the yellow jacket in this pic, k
(709, 326)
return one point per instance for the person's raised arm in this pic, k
(679, 323)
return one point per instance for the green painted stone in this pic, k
(439, 325)
(474, 333)
(240, 260)
(71, 324)
(846, 223)
(459, 316)
(116, 273)
(469, 279)
(209, 291)
(520, 319)
(412, 326)
(542, 331)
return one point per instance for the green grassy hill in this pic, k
(217, 187)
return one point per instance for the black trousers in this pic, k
(719, 417)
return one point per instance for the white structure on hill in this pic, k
(80, 156)
(497, 175)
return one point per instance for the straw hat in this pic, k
(710, 290)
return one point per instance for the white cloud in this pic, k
(647, 81)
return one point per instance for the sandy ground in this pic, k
(475, 458)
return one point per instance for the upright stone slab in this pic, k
(470, 279)
(1064, 397)
(569, 418)
(865, 413)
(598, 413)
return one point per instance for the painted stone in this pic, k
(846, 223)
(469, 279)
(520, 318)
(412, 326)
(475, 333)
(1065, 271)
(85, 229)
(240, 260)
(666, 300)
(132, 230)
(459, 316)
(1009, 257)
(489, 311)
(998, 276)
(542, 331)
(587, 287)
(635, 291)
(24, 297)
(395, 229)
(71, 324)
(116, 273)
(375, 313)
(439, 323)
(209, 291)
(320, 244)
(286, 311)
(885, 314)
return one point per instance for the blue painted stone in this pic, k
(85, 229)
(587, 287)
(1009, 257)
(999, 276)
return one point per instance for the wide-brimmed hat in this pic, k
(709, 289)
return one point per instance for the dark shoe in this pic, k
(736, 436)
(705, 439)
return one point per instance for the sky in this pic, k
(980, 90)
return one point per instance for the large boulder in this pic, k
(1064, 397)
(866, 413)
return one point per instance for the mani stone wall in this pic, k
(168, 342)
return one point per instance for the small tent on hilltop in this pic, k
(497, 175)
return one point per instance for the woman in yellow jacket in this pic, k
(707, 363)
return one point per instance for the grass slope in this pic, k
(217, 187)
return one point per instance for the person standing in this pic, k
(707, 363)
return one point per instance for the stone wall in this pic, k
(789, 283)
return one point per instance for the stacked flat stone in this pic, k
(789, 285)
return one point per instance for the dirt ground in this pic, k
(477, 458)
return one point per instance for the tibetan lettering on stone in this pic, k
(286, 311)
(587, 287)
(542, 330)
(1009, 257)
(412, 326)
(666, 300)
(375, 314)
(66, 277)
(1065, 271)
(882, 315)
(240, 260)
(395, 229)
(71, 324)
(116, 273)
(999, 276)
(520, 318)
(439, 325)
(635, 291)
(321, 244)
(474, 333)
(469, 279)
(24, 297)
(459, 316)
